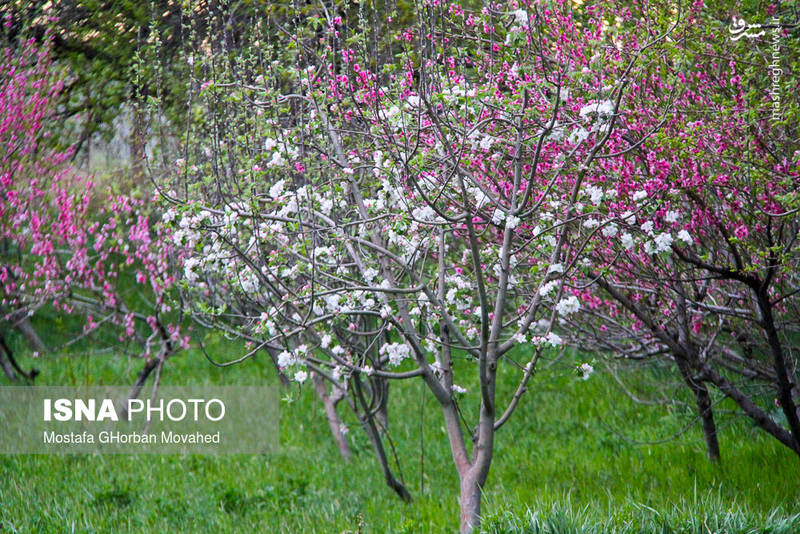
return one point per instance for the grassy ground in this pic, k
(567, 462)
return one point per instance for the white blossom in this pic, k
(578, 136)
(610, 230)
(595, 194)
(498, 217)
(601, 108)
(370, 274)
(396, 352)
(300, 376)
(392, 112)
(548, 288)
(336, 373)
(568, 306)
(586, 369)
(487, 142)
(285, 359)
(424, 213)
(326, 205)
(627, 241)
(277, 189)
(188, 270)
(663, 242)
(169, 215)
(553, 339)
(277, 160)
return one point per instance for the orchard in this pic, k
(369, 205)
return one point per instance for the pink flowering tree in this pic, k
(373, 205)
(64, 245)
(694, 260)
(25, 92)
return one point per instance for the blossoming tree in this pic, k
(705, 272)
(64, 245)
(372, 217)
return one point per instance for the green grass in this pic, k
(699, 515)
(558, 467)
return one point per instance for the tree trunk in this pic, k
(473, 479)
(706, 413)
(470, 502)
(20, 320)
(752, 410)
(334, 422)
(785, 377)
(33, 339)
(138, 385)
(10, 365)
(382, 413)
(368, 423)
(704, 410)
(5, 363)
